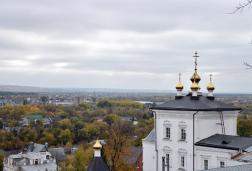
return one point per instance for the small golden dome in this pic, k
(97, 145)
(179, 85)
(210, 86)
(195, 86)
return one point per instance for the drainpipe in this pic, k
(194, 139)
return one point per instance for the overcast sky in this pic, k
(129, 44)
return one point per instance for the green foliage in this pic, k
(65, 136)
(75, 124)
(48, 137)
(28, 134)
(111, 118)
(244, 126)
(104, 104)
(126, 103)
(65, 124)
(142, 129)
(79, 160)
(82, 158)
(94, 130)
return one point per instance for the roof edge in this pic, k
(217, 146)
(188, 109)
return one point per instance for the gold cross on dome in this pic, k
(196, 61)
(180, 77)
(211, 77)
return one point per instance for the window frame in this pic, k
(165, 160)
(182, 158)
(167, 125)
(182, 161)
(205, 164)
(167, 132)
(183, 134)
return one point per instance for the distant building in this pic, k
(130, 119)
(34, 158)
(58, 153)
(34, 119)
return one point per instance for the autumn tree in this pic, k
(94, 130)
(111, 118)
(82, 157)
(79, 160)
(65, 124)
(65, 136)
(28, 134)
(143, 129)
(244, 126)
(118, 145)
(48, 137)
(104, 104)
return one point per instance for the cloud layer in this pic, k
(140, 44)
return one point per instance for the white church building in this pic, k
(35, 157)
(195, 132)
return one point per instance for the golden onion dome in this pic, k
(179, 86)
(97, 145)
(195, 86)
(210, 86)
(195, 77)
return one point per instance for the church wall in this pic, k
(211, 124)
(214, 157)
(206, 124)
(176, 148)
(149, 156)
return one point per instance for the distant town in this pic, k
(63, 126)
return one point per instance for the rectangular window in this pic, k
(166, 162)
(182, 161)
(183, 134)
(163, 163)
(167, 132)
(205, 164)
(222, 164)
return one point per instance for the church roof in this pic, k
(226, 142)
(202, 103)
(150, 137)
(246, 167)
(97, 164)
(36, 148)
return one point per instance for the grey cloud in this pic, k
(136, 44)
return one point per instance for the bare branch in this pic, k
(242, 5)
(249, 66)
